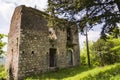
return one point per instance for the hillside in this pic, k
(109, 72)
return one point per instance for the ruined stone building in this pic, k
(34, 47)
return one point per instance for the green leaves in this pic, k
(107, 51)
(95, 12)
(2, 44)
(116, 47)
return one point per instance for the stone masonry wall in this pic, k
(76, 51)
(34, 44)
(13, 45)
(32, 53)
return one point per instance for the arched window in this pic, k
(70, 57)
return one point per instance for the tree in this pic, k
(93, 58)
(2, 44)
(116, 47)
(95, 12)
(87, 49)
(107, 51)
(114, 34)
(98, 48)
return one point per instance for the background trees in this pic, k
(2, 44)
(102, 52)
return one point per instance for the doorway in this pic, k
(52, 56)
(70, 57)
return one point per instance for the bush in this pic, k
(3, 74)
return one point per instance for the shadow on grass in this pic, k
(82, 73)
(61, 74)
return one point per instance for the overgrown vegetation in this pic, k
(110, 72)
(3, 74)
(2, 52)
(102, 52)
(2, 44)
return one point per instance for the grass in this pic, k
(61, 74)
(117, 77)
(100, 73)
(109, 72)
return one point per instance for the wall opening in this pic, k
(32, 52)
(69, 37)
(69, 34)
(11, 77)
(70, 57)
(12, 56)
(52, 57)
(17, 41)
(23, 52)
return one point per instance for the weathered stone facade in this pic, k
(30, 50)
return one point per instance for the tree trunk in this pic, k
(87, 47)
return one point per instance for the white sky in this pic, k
(7, 8)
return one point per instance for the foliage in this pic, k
(81, 73)
(2, 44)
(3, 74)
(116, 45)
(107, 51)
(117, 77)
(114, 34)
(83, 55)
(88, 13)
(102, 52)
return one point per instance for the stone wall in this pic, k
(76, 47)
(31, 55)
(34, 44)
(13, 44)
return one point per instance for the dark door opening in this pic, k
(52, 56)
(70, 58)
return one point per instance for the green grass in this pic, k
(117, 77)
(110, 72)
(61, 74)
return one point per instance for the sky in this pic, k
(7, 8)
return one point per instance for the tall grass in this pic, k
(100, 73)
(110, 72)
(60, 74)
